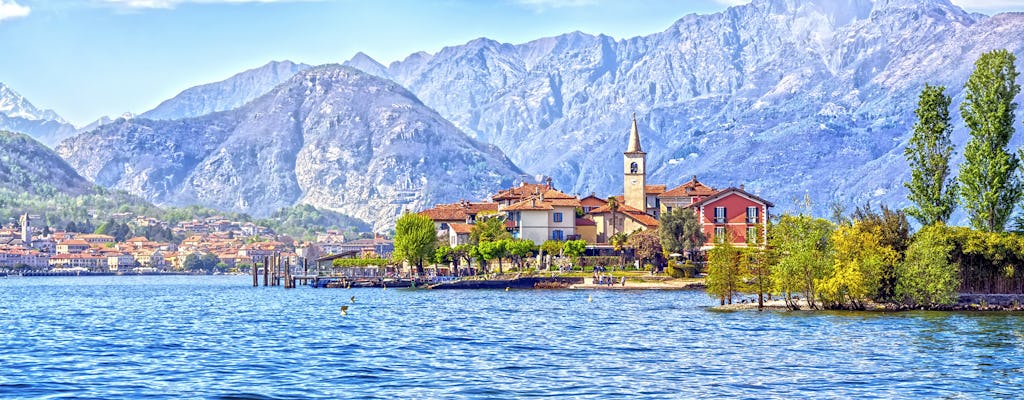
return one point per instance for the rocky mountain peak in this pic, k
(13, 104)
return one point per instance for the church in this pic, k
(729, 214)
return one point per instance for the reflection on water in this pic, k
(216, 337)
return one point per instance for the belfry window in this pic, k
(633, 168)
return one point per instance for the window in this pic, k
(444, 226)
(633, 168)
(719, 234)
(719, 215)
(668, 209)
(557, 217)
(752, 234)
(557, 234)
(752, 215)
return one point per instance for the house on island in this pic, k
(730, 214)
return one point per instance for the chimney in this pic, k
(695, 179)
(741, 186)
(533, 202)
(549, 182)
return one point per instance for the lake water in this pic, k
(218, 337)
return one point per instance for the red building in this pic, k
(735, 215)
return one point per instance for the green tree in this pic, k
(893, 233)
(725, 271)
(488, 229)
(927, 275)
(442, 254)
(574, 249)
(931, 187)
(520, 249)
(680, 232)
(803, 255)
(990, 186)
(415, 240)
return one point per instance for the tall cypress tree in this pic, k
(928, 152)
(990, 184)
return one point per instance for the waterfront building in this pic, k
(72, 246)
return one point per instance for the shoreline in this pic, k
(966, 302)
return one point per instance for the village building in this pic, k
(731, 214)
(72, 246)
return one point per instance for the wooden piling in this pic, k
(255, 275)
(266, 272)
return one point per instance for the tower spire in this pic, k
(634, 139)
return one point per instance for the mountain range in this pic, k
(791, 98)
(331, 136)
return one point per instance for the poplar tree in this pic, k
(932, 189)
(990, 186)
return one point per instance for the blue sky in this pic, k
(88, 58)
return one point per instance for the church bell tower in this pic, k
(635, 169)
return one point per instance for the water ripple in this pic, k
(216, 337)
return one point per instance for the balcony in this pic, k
(719, 220)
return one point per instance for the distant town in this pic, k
(210, 245)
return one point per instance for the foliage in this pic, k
(725, 272)
(519, 249)
(196, 262)
(680, 232)
(599, 261)
(802, 248)
(893, 232)
(990, 183)
(552, 247)
(305, 221)
(858, 261)
(927, 276)
(415, 239)
(987, 261)
(359, 262)
(493, 251)
(488, 229)
(442, 254)
(928, 152)
(646, 246)
(574, 248)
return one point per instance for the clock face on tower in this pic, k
(633, 181)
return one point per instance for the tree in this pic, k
(725, 274)
(618, 242)
(990, 185)
(932, 190)
(927, 275)
(415, 239)
(803, 254)
(856, 270)
(613, 206)
(893, 233)
(574, 249)
(646, 246)
(442, 254)
(680, 232)
(519, 249)
(757, 264)
(488, 229)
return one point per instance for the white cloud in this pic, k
(174, 3)
(11, 9)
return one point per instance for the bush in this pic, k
(927, 276)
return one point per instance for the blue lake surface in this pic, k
(218, 337)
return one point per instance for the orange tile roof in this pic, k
(73, 242)
(531, 204)
(461, 228)
(631, 212)
(457, 211)
(723, 193)
(592, 201)
(585, 222)
(691, 188)
(526, 189)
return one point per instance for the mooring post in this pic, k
(287, 273)
(266, 272)
(255, 275)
